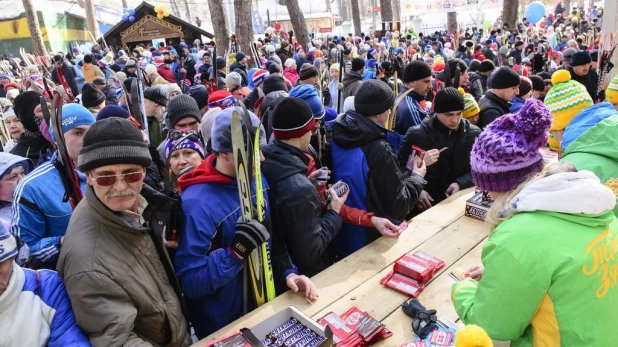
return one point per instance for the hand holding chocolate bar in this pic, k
(432, 156)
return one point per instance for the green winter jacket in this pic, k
(590, 142)
(550, 270)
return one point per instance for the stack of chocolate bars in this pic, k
(293, 334)
(412, 272)
(355, 328)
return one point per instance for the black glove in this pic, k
(424, 320)
(249, 235)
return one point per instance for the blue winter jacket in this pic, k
(409, 112)
(64, 331)
(210, 275)
(363, 158)
(586, 119)
(39, 215)
(369, 74)
(516, 104)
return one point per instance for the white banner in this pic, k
(419, 7)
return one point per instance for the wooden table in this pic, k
(442, 231)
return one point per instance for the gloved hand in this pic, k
(424, 320)
(249, 235)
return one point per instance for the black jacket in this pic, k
(491, 107)
(242, 71)
(478, 85)
(252, 98)
(590, 81)
(454, 163)
(69, 76)
(110, 96)
(221, 80)
(296, 209)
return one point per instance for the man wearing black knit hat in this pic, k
(581, 72)
(417, 81)
(353, 78)
(363, 158)
(504, 86)
(115, 238)
(306, 230)
(452, 137)
(92, 98)
(478, 79)
(155, 102)
(538, 87)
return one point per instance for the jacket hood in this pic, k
(237, 65)
(203, 173)
(282, 161)
(351, 77)
(577, 196)
(474, 76)
(9, 161)
(352, 130)
(593, 130)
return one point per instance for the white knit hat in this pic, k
(150, 69)
(290, 62)
(233, 78)
(208, 120)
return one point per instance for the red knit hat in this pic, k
(10, 85)
(222, 99)
(259, 76)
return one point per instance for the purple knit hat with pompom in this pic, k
(507, 152)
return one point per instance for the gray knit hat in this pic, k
(182, 106)
(113, 141)
(221, 132)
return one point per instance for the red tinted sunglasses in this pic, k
(110, 180)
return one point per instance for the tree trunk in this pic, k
(356, 17)
(567, 7)
(396, 11)
(345, 11)
(451, 22)
(124, 4)
(91, 19)
(219, 25)
(328, 9)
(509, 13)
(386, 10)
(298, 23)
(35, 29)
(175, 10)
(244, 31)
(187, 14)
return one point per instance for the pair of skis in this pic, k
(603, 66)
(247, 163)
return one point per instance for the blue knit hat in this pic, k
(186, 143)
(8, 245)
(310, 95)
(240, 56)
(112, 111)
(73, 115)
(330, 115)
(221, 132)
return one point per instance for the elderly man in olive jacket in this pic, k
(113, 263)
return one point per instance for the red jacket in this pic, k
(166, 73)
(478, 56)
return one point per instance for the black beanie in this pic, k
(180, 107)
(220, 63)
(292, 118)
(92, 96)
(24, 105)
(416, 70)
(113, 141)
(537, 83)
(452, 65)
(155, 94)
(505, 77)
(274, 68)
(358, 64)
(200, 95)
(448, 99)
(373, 97)
(474, 65)
(273, 83)
(486, 66)
(88, 58)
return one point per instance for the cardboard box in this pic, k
(263, 328)
(478, 205)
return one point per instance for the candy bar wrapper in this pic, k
(368, 327)
(458, 275)
(403, 284)
(437, 263)
(353, 341)
(233, 341)
(288, 333)
(305, 340)
(352, 317)
(339, 327)
(416, 158)
(414, 267)
(440, 338)
(287, 325)
(415, 344)
(315, 342)
(297, 337)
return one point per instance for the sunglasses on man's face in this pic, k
(177, 134)
(110, 180)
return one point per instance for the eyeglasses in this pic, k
(177, 134)
(110, 180)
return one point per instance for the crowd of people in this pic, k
(156, 250)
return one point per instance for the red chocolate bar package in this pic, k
(414, 267)
(403, 284)
(341, 330)
(437, 263)
(236, 340)
(416, 158)
(415, 344)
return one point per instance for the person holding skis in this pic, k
(40, 213)
(216, 242)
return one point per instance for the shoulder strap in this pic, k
(398, 101)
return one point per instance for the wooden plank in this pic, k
(436, 296)
(341, 278)
(379, 301)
